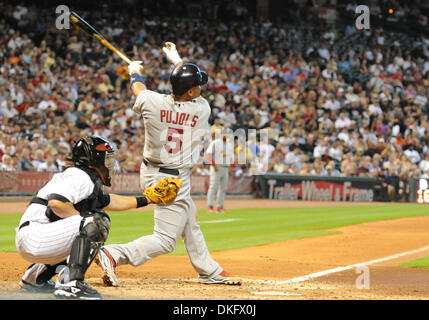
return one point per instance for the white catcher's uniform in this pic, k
(173, 132)
(43, 242)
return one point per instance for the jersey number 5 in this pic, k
(174, 136)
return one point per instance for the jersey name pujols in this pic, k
(179, 118)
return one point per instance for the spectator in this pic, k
(60, 161)
(412, 154)
(25, 162)
(318, 168)
(227, 117)
(305, 169)
(344, 136)
(86, 106)
(374, 108)
(6, 164)
(216, 127)
(351, 96)
(277, 165)
(392, 180)
(335, 151)
(39, 159)
(48, 166)
(331, 169)
(342, 122)
(348, 166)
(380, 187)
(292, 156)
(320, 149)
(332, 104)
(424, 164)
(253, 146)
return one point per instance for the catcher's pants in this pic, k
(46, 243)
(218, 185)
(171, 222)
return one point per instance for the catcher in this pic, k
(65, 225)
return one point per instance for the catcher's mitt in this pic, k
(164, 192)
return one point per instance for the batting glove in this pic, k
(135, 67)
(171, 53)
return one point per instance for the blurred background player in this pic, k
(220, 155)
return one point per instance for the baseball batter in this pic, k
(220, 155)
(65, 225)
(174, 125)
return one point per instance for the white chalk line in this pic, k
(312, 275)
(219, 221)
(274, 293)
(340, 269)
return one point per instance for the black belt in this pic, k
(39, 201)
(24, 224)
(173, 172)
(34, 200)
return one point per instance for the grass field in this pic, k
(417, 263)
(245, 227)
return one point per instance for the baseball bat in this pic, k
(87, 28)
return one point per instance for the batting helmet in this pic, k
(185, 77)
(95, 153)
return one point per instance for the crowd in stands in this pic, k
(338, 101)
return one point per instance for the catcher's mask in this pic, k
(95, 153)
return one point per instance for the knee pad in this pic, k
(87, 244)
(98, 229)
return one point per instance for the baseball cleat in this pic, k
(210, 210)
(45, 287)
(106, 262)
(76, 289)
(222, 278)
(220, 210)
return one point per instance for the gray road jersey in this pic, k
(173, 130)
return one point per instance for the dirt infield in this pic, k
(383, 244)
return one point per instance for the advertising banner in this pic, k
(316, 188)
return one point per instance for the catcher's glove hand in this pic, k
(164, 192)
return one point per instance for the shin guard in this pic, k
(87, 244)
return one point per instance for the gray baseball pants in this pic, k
(171, 222)
(218, 185)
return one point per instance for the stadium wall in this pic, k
(269, 186)
(26, 183)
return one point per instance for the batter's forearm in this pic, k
(136, 79)
(137, 87)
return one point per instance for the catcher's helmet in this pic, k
(95, 153)
(185, 77)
